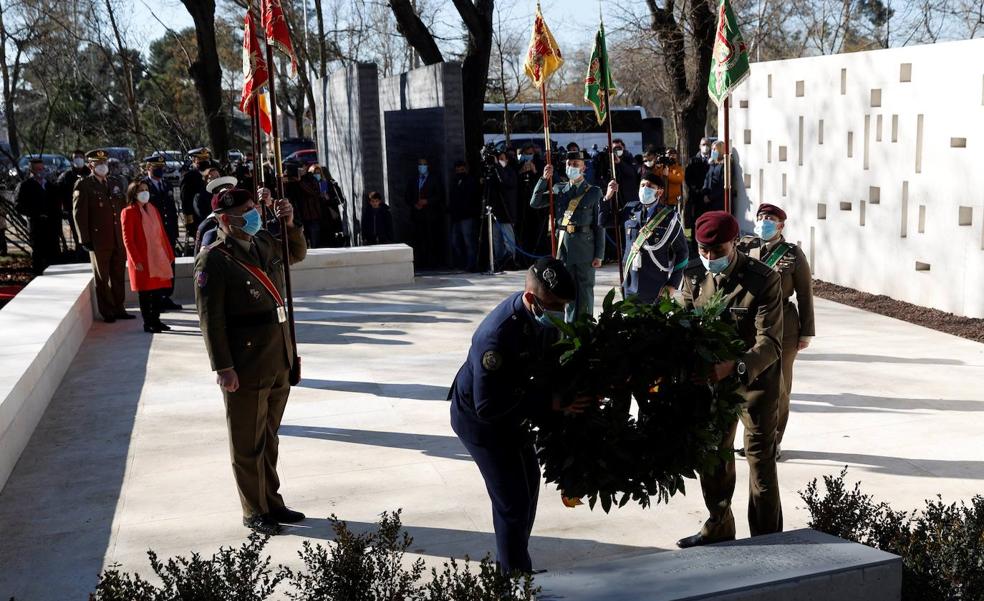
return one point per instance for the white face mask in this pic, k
(647, 195)
(143, 197)
(619, 152)
(503, 163)
(574, 173)
(101, 169)
(78, 162)
(649, 163)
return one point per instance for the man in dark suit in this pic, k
(425, 197)
(37, 200)
(162, 197)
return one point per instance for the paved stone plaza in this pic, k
(132, 452)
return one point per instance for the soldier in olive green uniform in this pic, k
(239, 294)
(754, 305)
(97, 200)
(769, 246)
(580, 235)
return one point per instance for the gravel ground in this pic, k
(965, 327)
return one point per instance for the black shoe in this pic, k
(124, 315)
(162, 327)
(263, 524)
(152, 329)
(699, 540)
(170, 305)
(109, 319)
(286, 516)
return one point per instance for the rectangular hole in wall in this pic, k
(782, 154)
(922, 219)
(783, 184)
(895, 128)
(743, 104)
(768, 152)
(875, 97)
(864, 208)
(919, 143)
(800, 153)
(920, 266)
(761, 184)
(905, 72)
(748, 180)
(878, 128)
(850, 144)
(821, 210)
(845, 206)
(843, 81)
(770, 85)
(874, 194)
(958, 142)
(905, 209)
(867, 139)
(820, 132)
(748, 136)
(813, 240)
(800, 88)
(965, 216)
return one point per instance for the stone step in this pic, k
(800, 565)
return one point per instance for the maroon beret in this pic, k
(767, 209)
(716, 227)
(230, 198)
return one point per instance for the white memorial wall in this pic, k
(877, 158)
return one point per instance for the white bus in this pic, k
(568, 123)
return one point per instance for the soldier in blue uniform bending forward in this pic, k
(492, 397)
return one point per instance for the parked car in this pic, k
(302, 159)
(53, 165)
(234, 157)
(291, 145)
(128, 166)
(173, 164)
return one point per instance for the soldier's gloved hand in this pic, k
(227, 379)
(548, 172)
(284, 210)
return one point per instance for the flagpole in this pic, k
(279, 182)
(546, 142)
(727, 153)
(611, 157)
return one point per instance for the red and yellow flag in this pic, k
(543, 58)
(263, 101)
(277, 32)
(254, 67)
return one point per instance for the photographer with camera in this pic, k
(530, 226)
(504, 205)
(666, 166)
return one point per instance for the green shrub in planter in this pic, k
(942, 546)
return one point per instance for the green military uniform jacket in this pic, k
(239, 318)
(794, 269)
(587, 242)
(96, 209)
(754, 305)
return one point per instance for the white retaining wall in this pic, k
(877, 158)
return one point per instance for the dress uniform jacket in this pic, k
(40, 204)
(798, 322)
(662, 258)
(754, 305)
(96, 207)
(162, 197)
(491, 398)
(238, 316)
(577, 248)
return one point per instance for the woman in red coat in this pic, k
(148, 254)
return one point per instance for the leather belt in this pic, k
(573, 229)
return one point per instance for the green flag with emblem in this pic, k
(599, 71)
(729, 60)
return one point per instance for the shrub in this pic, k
(942, 546)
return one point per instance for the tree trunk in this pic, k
(415, 32)
(322, 43)
(11, 74)
(206, 72)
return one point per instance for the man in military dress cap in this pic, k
(97, 201)
(239, 290)
(492, 397)
(751, 291)
(769, 246)
(581, 237)
(192, 184)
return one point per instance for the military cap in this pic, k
(200, 153)
(221, 183)
(654, 179)
(716, 227)
(578, 155)
(97, 155)
(767, 209)
(554, 276)
(230, 198)
(154, 160)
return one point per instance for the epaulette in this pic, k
(759, 268)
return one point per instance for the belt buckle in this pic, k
(571, 229)
(281, 315)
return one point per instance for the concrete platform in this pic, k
(132, 451)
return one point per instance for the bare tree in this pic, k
(15, 36)
(206, 72)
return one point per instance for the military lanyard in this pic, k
(644, 234)
(571, 207)
(777, 254)
(264, 279)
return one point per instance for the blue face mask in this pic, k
(714, 155)
(766, 229)
(574, 173)
(253, 222)
(422, 169)
(647, 196)
(317, 176)
(546, 317)
(715, 266)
